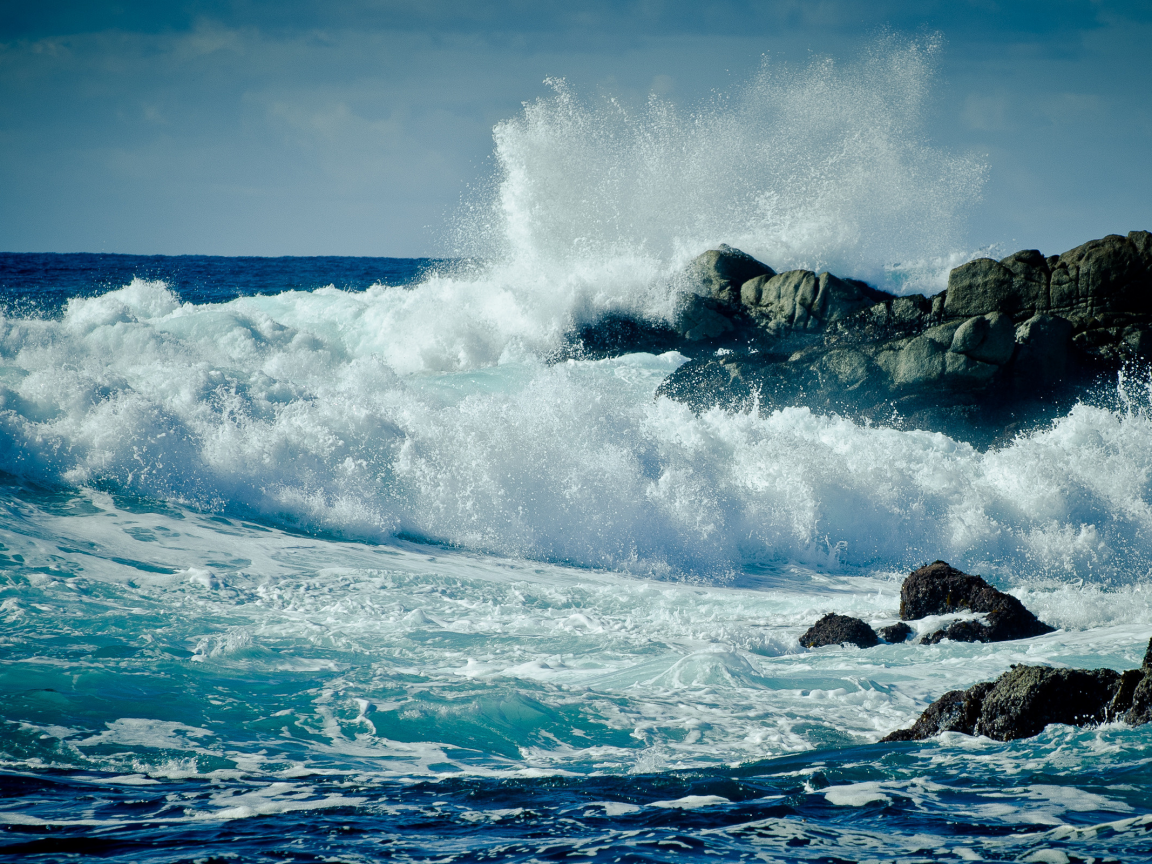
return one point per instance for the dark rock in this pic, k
(894, 633)
(1102, 279)
(1122, 699)
(615, 335)
(1147, 664)
(1026, 699)
(1010, 345)
(1021, 703)
(835, 629)
(1042, 359)
(955, 711)
(940, 589)
(1141, 710)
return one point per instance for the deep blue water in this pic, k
(44, 281)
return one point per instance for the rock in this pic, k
(614, 335)
(1141, 710)
(1015, 286)
(988, 338)
(1042, 359)
(1011, 344)
(719, 273)
(1026, 699)
(940, 589)
(894, 633)
(1122, 699)
(1147, 664)
(955, 711)
(835, 629)
(1102, 278)
(1020, 703)
(700, 319)
(799, 300)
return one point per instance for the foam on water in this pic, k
(286, 408)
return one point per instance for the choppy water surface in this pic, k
(343, 572)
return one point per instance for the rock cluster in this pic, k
(940, 589)
(1006, 343)
(937, 589)
(1025, 699)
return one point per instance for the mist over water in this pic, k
(822, 166)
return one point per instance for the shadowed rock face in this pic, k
(1025, 699)
(940, 589)
(898, 632)
(955, 711)
(835, 629)
(1009, 343)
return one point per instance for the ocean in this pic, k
(343, 559)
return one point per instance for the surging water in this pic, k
(358, 574)
(823, 166)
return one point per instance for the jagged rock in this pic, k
(701, 318)
(1027, 698)
(1009, 345)
(1125, 694)
(898, 632)
(955, 711)
(799, 300)
(1014, 286)
(1023, 701)
(835, 629)
(1147, 664)
(615, 335)
(1103, 278)
(940, 589)
(1141, 709)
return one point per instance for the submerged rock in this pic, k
(898, 632)
(835, 629)
(940, 589)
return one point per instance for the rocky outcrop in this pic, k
(1026, 699)
(1009, 343)
(940, 589)
(835, 629)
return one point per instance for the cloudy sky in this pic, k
(353, 127)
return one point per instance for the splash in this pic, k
(820, 166)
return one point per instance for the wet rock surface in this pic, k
(1008, 344)
(898, 632)
(835, 629)
(1026, 699)
(940, 589)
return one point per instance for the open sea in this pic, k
(328, 559)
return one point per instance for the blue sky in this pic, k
(353, 127)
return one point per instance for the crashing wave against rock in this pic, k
(1008, 342)
(1025, 699)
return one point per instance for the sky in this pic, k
(355, 127)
